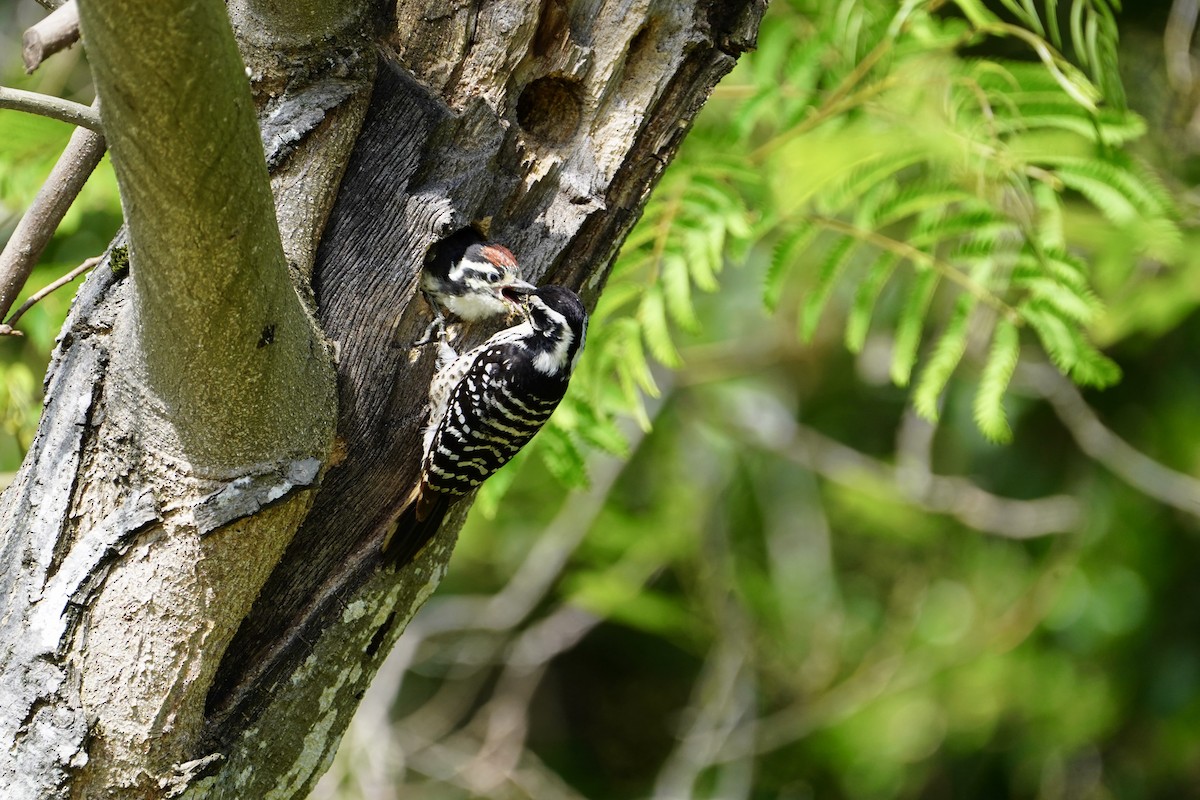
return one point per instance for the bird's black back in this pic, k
(487, 423)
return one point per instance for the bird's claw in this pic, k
(435, 331)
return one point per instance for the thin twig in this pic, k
(505, 717)
(774, 431)
(1176, 489)
(36, 228)
(723, 699)
(46, 105)
(918, 256)
(6, 329)
(57, 31)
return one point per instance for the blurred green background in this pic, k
(768, 575)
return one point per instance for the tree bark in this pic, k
(192, 598)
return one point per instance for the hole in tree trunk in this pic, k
(549, 109)
(450, 249)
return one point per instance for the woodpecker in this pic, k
(470, 278)
(486, 404)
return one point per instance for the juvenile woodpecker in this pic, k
(486, 404)
(471, 279)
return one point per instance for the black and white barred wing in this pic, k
(485, 423)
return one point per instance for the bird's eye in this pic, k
(492, 277)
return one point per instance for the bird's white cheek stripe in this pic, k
(459, 271)
(551, 362)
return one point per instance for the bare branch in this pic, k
(58, 31)
(940, 494)
(723, 700)
(1177, 39)
(36, 228)
(6, 329)
(49, 106)
(1133, 467)
(504, 719)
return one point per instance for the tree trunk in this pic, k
(193, 600)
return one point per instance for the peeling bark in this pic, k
(182, 633)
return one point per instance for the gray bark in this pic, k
(192, 596)
(217, 327)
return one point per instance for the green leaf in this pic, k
(1053, 33)
(1050, 233)
(1093, 368)
(634, 363)
(1067, 347)
(618, 299)
(632, 371)
(652, 314)
(866, 210)
(864, 177)
(977, 224)
(1058, 112)
(1026, 15)
(677, 291)
(786, 253)
(947, 353)
(1057, 264)
(601, 431)
(916, 199)
(910, 325)
(872, 283)
(703, 254)
(562, 457)
(814, 302)
(993, 382)
(1081, 307)
(1120, 194)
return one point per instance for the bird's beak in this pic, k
(516, 291)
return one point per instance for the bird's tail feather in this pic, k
(411, 533)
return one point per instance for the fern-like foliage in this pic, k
(900, 176)
(898, 158)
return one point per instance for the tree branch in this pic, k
(957, 497)
(220, 328)
(7, 327)
(58, 31)
(49, 106)
(1143, 473)
(37, 227)
(301, 21)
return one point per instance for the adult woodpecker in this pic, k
(470, 278)
(486, 404)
